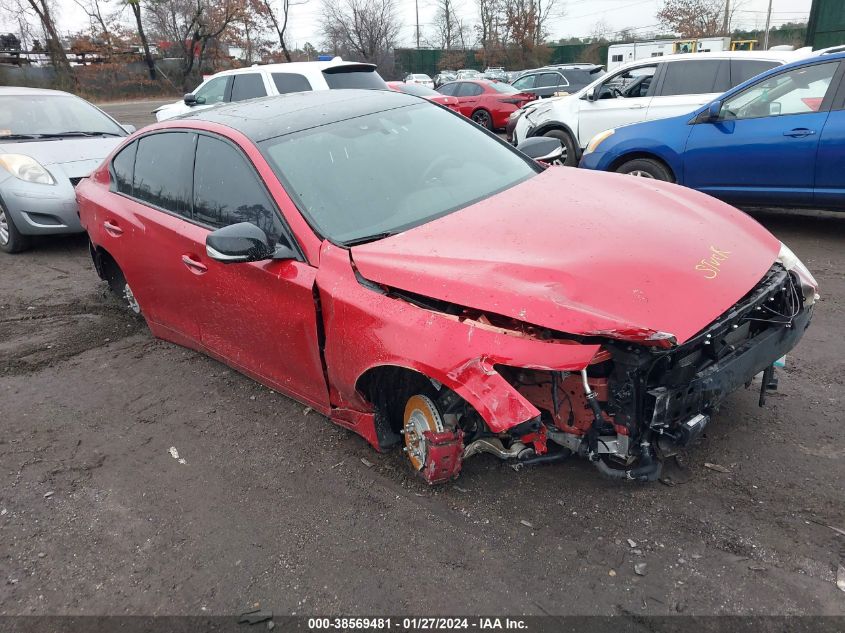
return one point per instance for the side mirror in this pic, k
(190, 99)
(593, 95)
(128, 127)
(714, 110)
(242, 242)
(542, 148)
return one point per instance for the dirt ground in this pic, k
(275, 505)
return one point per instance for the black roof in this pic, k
(268, 117)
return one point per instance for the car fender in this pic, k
(365, 328)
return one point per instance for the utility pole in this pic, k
(768, 22)
(726, 20)
(417, 4)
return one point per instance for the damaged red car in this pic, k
(422, 283)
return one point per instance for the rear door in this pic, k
(161, 248)
(763, 147)
(683, 86)
(260, 317)
(624, 98)
(467, 94)
(549, 83)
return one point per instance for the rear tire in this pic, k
(11, 240)
(645, 168)
(568, 159)
(483, 118)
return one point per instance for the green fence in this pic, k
(827, 23)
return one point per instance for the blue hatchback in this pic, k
(778, 139)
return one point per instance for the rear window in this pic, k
(503, 88)
(744, 69)
(354, 76)
(691, 77)
(418, 90)
(248, 86)
(290, 82)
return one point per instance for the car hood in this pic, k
(586, 253)
(78, 157)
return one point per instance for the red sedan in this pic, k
(424, 284)
(426, 93)
(488, 103)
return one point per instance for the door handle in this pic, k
(198, 268)
(800, 132)
(636, 107)
(112, 229)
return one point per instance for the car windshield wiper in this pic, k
(77, 133)
(368, 238)
(18, 137)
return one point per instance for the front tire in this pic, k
(483, 118)
(11, 240)
(568, 159)
(645, 168)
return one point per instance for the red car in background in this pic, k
(426, 93)
(488, 103)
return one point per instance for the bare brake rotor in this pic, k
(421, 415)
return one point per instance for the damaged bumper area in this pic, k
(637, 402)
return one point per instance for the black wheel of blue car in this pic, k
(11, 240)
(646, 168)
(483, 118)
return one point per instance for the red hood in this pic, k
(583, 252)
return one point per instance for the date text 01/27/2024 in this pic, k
(415, 624)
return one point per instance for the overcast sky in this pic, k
(575, 17)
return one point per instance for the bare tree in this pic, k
(99, 21)
(450, 31)
(190, 25)
(693, 18)
(279, 21)
(365, 29)
(135, 5)
(21, 10)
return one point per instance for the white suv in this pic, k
(274, 79)
(648, 89)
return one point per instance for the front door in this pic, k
(762, 148)
(623, 98)
(260, 317)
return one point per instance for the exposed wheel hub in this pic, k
(421, 415)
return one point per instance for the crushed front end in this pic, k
(639, 401)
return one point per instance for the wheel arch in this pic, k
(107, 267)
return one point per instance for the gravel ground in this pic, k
(275, 505)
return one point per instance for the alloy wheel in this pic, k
(640, 173)
(4, 227)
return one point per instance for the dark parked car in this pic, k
(545, 82)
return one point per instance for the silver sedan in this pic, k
(49, 141)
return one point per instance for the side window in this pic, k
(798, 91)
(212, 92)
(524, 83)
(163, 166)
(744, 69)
(469, 89)
(247, 86)
(447, 89)
(630, 83)
(616, 58)
(290, 82)
(227, 190)
(547, 80)
(122, 168)
(691, 77)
